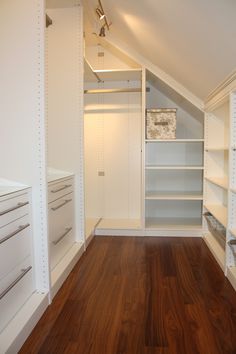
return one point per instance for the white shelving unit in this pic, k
(221, 182)
(173, 187)
(220, 174)
(216, 176)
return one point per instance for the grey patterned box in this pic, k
(161, 123)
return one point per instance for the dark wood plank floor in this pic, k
(141, 296)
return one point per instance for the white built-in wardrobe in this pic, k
(75, 160)
(132, 184)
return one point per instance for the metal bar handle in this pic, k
(23, 273)
(19, 205)
(61, 205)
(20, 228)
(61, 188)
(68, 229)
(232, 242)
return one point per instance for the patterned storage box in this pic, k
(161, 123)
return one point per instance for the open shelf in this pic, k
(220, 148)
(221, 182)
(163, 167)
(132, 224)
(216, 249)
(173, 223)
(231, 273)
(119, 74)
(170, 195)
(219, 212)
(174, 140)
(233, 232)
(90, 225)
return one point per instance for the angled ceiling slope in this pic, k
(190, 41)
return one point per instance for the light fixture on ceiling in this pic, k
(102, 16)
(102, 32)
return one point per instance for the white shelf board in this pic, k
(132, 224)
(168, 167)
(216, 249)
(54, 175)
(233, 232)
(221, 182)
(231, 274)
(90, 224)
(119, 74)
(174, 140)
(174, 223)
(220, 148)
(154, 195)
(219, 212)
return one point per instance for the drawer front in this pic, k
(13, 208)
(60, 247)
(15, 244)
(61, 216)
(59, 189)
(15, 289)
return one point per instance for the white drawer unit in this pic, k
(13, 207)
(60, 188)
(15, 244)
(61, 219)
(15, 288)
(16, 272)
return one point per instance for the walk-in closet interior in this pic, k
(77, 158)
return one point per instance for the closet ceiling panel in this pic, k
(190, 40)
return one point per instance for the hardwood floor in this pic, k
(130, 295)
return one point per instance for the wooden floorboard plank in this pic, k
(140, 295)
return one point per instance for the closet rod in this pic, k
(115, 90)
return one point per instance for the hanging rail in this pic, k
(122, 90)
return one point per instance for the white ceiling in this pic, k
(191, 40)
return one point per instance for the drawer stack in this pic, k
(61, 219)
(16, 273)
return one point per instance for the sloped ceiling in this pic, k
(191, 40)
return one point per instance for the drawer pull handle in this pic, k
(68, 229)
(19, 205)
(61, 205)
(23, 273)
(20, 228)
(61, 188)
(232, 242)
